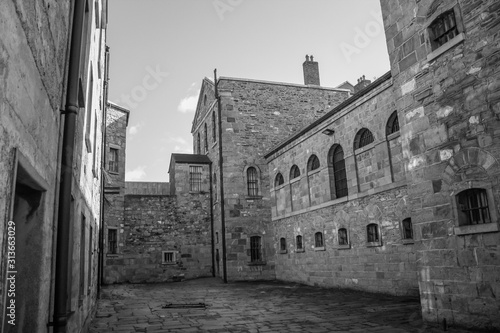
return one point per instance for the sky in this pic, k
(160, 51)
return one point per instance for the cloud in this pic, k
(135, 174)
(188, 104)
(133, 130)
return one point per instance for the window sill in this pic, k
(343, 247)
(476, 229)
(257, 263)
(365, 148)
(408, 241)
(373, 244)
(168, 263)
(283, 251)
(442, 49)
(393, 136)
(248, 198)
(319, 248)
(300, 251)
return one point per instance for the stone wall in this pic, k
(448, 98)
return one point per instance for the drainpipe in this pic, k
(63, 219)
(221, 177)
(212, 218)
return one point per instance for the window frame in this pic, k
(301, 248)
(293, 172)
(363, 138)
(390, 128)
(313, 164)
(465, 218)
(319, 246)
(373, 242)
(256, 254)
(164, 257)
(347, 245)
(257, 193)
(279, 180)
(115, 231)
(404, 237)
(112, 161)
(338, 172)
(282, 245)
(195, 178)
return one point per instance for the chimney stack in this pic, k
(362, 83)
(311, 71)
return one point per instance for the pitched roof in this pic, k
(188, 158)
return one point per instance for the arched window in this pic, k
(318, 239)
(298, 242)
(255, 249)
(337, 162)
(279, 180)
(313, 163)
(363, 138)
(472, 207)
(205, 100)
(372, 233)
(392, 124)
(282, 244)
(294, 172)
(252, 182)
(214, 127)
(198, 144)
(407, 228)
(343, 240)
(206, 138)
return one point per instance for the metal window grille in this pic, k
(364, 138)
(474, 205)
(372, 233)
(168, 257)
(252, 182)
(195, 178)
(214, 128)
(113, 160)
(298, 241)
(318, 239)
(407, 229)
(282, 244)
(279, 180)
(443, 29)
(313, 163)
(294, 172)
(339, 172)
(393, 124)
(112, 241)
(343, 237)
(206, 138)
(255, 253)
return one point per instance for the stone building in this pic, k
(52, 89)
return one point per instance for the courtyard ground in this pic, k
(253, 307)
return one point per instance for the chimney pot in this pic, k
(311, 71)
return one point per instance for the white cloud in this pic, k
(133, 130)
(178, 139)
(135, 174)
(188, 104)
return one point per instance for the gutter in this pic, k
(63, 219)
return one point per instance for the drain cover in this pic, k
(184, 306)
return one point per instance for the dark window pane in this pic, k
(282, 244)
(318, 239)
(363, 138)
(299, 242)
(473, 204)
(443, 29)
(372, 233)
(279, 180)
(339, 172)
(252, 182)
(255, 253)
(407, 229)
(294, 172)
(313, 163)
(343, 237)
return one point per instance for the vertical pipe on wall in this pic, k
(212, 218)
(221, 177)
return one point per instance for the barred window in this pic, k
(318, 239)
(112, 241)
(252, 182)
(343, 236)
(282, 244)
(279, 180)
(313, 163)
(294, 172)
(113, 160)
(473, 207)
(363, 138)
(168, 257)
(443, 29)
(339, 173)
(255, 249)
(392, 124)
(195, 178)
(372, 233)
(298, 242)
(407, 229)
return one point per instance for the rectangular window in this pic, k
(195, 178)
(299, 242)
(112, 241)
(113, 160)
(255, 252)
(473, 206)
(443, 29)
(372, 233)
(407, 229)
(252, 182)
(343, 237)
(168, 257)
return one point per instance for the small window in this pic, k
(252, 182)
(298, 242)
(372, 233)
(217, 238)
(407, 229)
(294, 172)
(255, 249)
(279, 180)
(443, 29)
(205, 100)
(282, 244)
(195, 178)
(473, 207)
(206, 138)
(113, 160)
(313, 163)
(392, 124)
(214, 127)
(318, 239)
(168, 257)
(112, 241)
(198, 144)
(363, 138)
(343, 237)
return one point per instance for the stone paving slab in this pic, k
(254, 307)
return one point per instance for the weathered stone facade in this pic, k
(34, 54)
(448, 100)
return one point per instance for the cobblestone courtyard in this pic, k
(253, 307)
